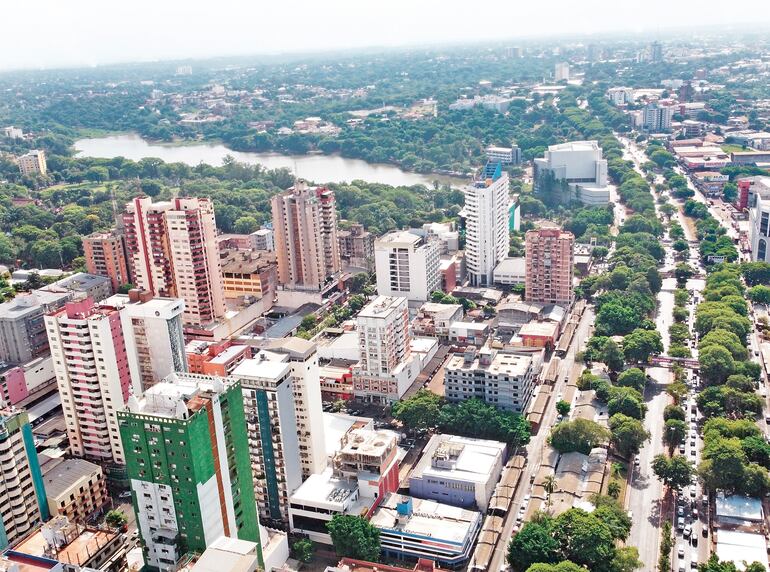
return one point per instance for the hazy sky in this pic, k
(54, 33)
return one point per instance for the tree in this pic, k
(716, 364)
(302, 550)
(756, 273)
(354, 537)
(474, 418)
(584, 539)
(759, 294)
(626, 559)
(674, 412)
(633, 377)
(628, 434)
(563, 566)
(549, 486)
(246, 225)
(421, 411)
(683, 272)
(627, 401)
(674, 472)
(612, 356)
(563, 407)
(534, 543)
(115, 519)
(579, 435)
(725, 339)
(674, 432)
(724, 464)
(613, 489)
(640, 344)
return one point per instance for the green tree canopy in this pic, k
(354, 537)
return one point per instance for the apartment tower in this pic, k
(407, 265)
(105, 254)
(306, 242)
(549, 266)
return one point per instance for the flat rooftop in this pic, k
(25, 304)
(178, 395)
(227, 554)
(61, 476)
(13, 561)
(382, 306)
(150, 306)
(327, 489)
(440, 522)
(469, 460)
(228, 354)
(261, 369)
(400, 237)
(502, 364)
(81, 549)
(539, 329)
(575, 146)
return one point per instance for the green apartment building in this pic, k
(187, 457)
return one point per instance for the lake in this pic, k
(316, 168)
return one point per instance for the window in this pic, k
(762, 247)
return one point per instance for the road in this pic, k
(537, 445)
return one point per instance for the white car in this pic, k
(687, 531)
(680, 550)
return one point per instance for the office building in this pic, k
(657, 118)
(407, 265)
(32, 163)
(413, 528)
(503, 379)
(93, 376)
(504, 155)
(105, 254)
(357, 246)
(152, 329)
(263, 239)
(386, 368)
(549, 253)
(486, 224)
(271, 422)
(74, 488)
(459, 471)
(306, 243)
(363, 471)
(249, 273)
(172, 249)
(578, 166)
(22, 325)
(22, 495)
(759, 224)
(187, 456)
(561, 71)
(215, 358)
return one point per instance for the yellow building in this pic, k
(249, 273)
(33, 163)
(74, 488)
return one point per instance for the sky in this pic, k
(75, 33)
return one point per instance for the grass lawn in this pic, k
(729, 148)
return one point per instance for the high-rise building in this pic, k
(657, 118)
(357, 246)
(22, 494)
(93, 375)
(561, 71)
(306, 243)
(22, 324)
(549, 256)
(33, 163)
(173, 253)
(386, 367)
(577, 167)
(153, 332)
(407, 265)
(486, 224)
(656, 52)
(105, 254)
(504, 155)
(187, 456)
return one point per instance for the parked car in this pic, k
(680, 523)
(680, 550)
(687, 531)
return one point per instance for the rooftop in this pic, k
(364, 441)
(261, 368)
(60, 477)
(227, 554)
(78, 281)
(439, 310)
(548, 329)
(246, 261)
(149, 307)
(383, 306)
(178, 395)
(575, 146)
(326, 488)
(25, 304)
(741, 547)
(13, 561)
(738, 507)
(77, 545)
(459, 458)
(400, 237)
(501, 364)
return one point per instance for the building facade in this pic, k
(22, 325)
(74, 488)
(23, 503)
(486, 226)
(105, 254)
(549, 254)
(573, 171)
(33, 163)
(306, 243)
(357, 246)
(93, 376)
(657, 118)
(188, 463)
(407, 265)
(249, 273)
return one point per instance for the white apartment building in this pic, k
(486, 227)
(504, 155)
(33, 163)
(93, 375)
(153, 333)
(759, 228)
(657, 118)
(386, 368)
(308, 408)
(620, 95)
(505, 380)
(407, 265)
(581, 165)
(561, 71)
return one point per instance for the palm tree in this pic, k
(549, 486)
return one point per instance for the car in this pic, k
(694, 540)
(526, 498)
(637, 461)
(680, 510)
(680, 523)
(687, 531)
(125, 495)
(694, 559)
(704, 532)
(695, 513)
(680, 550)
(681, 448)
(692, 443)
(692, 492)
(692, 452)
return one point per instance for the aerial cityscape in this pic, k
(491, 305)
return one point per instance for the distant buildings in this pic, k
(575, 169)
(435, 319)
(188, 462)
(561, 71)
(306, 243)
(505, 380)
(489, 101)
(357, 246)
(22, 326)
(172, 248)
(93, 375)
(105, 254)
(386, 368)
(656, 52)
(407, 265)
(215, 358)
(12, 132)
(32, 163)
(620, 95)
(656, 118)
(459, 471)
(263, 239)
(504, 155)
(550, 268)
(486, 220)
(22, 496)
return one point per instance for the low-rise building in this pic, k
(435, 319)
(539, 334)
(215, 358)
(413, 528)
(511, 271)
(353, 565)
(88, 285)
(228, 554)
(336, 382)
(74, 488)
(499, 378)
(249, 273)
(710, 183)
(468, 333)
(263, 239)
(458, 470)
